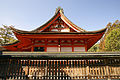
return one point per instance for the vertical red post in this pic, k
(46, 45)
(85, 48)
(72, 45)
(32, 48)
(85, 45)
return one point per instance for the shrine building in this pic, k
(61, 55)
(59, 34)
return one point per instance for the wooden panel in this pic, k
(52, 49)
(66, 49)
(79, 49)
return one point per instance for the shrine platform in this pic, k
(62, 54)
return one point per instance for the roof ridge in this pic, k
(35, 30)
(59, 13)
(59, 9)
(73, 23)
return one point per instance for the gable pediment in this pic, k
(59, 21)
(58, 26)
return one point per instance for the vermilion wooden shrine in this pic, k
(59, 34)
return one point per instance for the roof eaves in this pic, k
(48, 33)
(10, 43)
(36, 30)
(17, 30)
(80, 29)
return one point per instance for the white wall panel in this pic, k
(52, 49)
(66, 49)
(79, 49)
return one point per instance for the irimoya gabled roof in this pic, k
(58, 14)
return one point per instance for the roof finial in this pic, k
(59, 9)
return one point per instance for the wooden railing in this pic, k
(59, 69)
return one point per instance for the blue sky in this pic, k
(87, 14)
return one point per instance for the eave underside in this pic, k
(25, 39)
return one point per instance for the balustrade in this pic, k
(71, 69)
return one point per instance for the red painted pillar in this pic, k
(46, 45)
(85, 47)
(45, 48)
(32, 48)
(72, 48)
(72, 45)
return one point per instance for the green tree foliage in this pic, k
(112, 41)
(94, 48)
(103, 42)
(6, 35)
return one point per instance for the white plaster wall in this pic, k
(66, 49)
(79, 49)
(52, 49)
